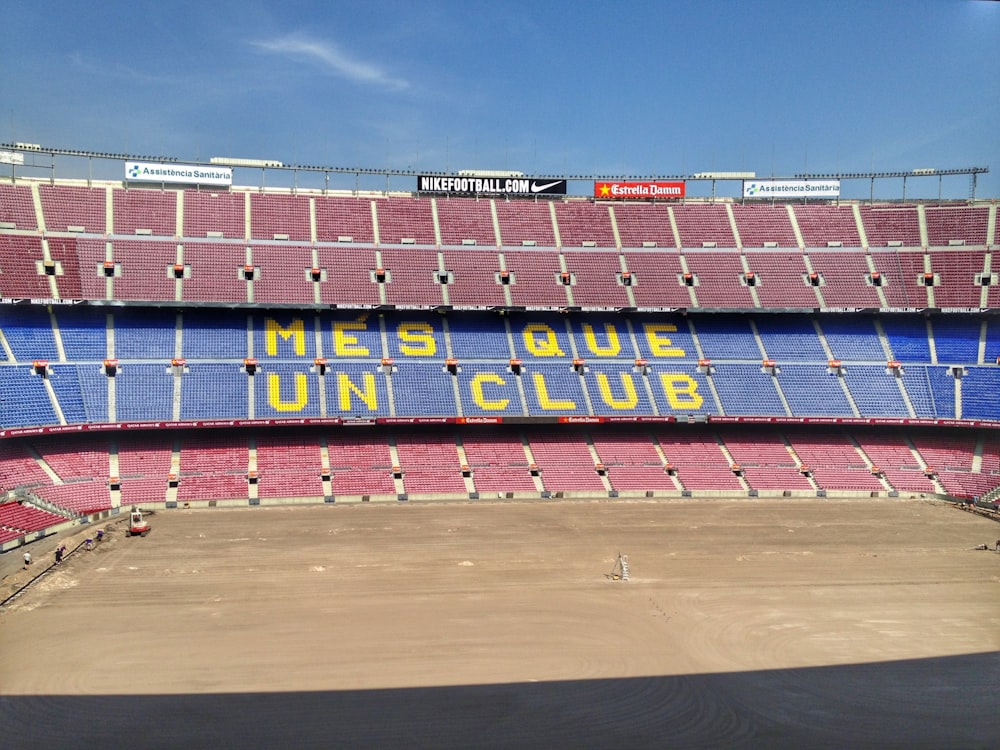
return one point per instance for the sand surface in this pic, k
(753, 623)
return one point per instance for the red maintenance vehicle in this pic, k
(137, 525)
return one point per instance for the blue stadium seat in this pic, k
(145, 334)
(919, 389)
(66, 385)
(210, 334)
(422, 389)
(542, 338)
(415, 337)
(355, 384)
(285, 335)
(356, 390)
(283, 389)
(28, 331)
(852, 338)
(479, 336)
(351, 336)
(874, 391)
(981, 393)
(811, 391)
(956, 338)
(553, 389)
(144, 392)
(678, 388)
(744, 389)
(94, 389)
(83, 333)
(618, 391)
(605, 337)
(907, 338)
(942, 392)
(490, 390)
(992, 340)
(726, 337)
(214, 391)
(666, 337)
(789, 338)
(23, 398)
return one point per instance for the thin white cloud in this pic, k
(332, 58)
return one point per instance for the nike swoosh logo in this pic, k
(536, 188)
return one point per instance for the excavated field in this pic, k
(750, 623)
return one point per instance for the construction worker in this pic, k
(27, 560)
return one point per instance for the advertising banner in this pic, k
(484, 185)
(642, 190)
(791, 189)
(178, 174)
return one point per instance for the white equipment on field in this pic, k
(620, 571)
(137, 525)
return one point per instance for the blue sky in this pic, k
(562, 86)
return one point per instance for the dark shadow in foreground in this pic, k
(946, 702)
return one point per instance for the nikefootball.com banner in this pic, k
(647, 190)
(791, 189)
(490, 185)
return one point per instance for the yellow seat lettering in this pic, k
(542, 391)
(631, 397)
(418, 338)
(367, 393)
(541, 340)
(295, 331)
(477, 383)
(274, 392)
(346, 344)
(613, 346)
(659, 345)
(681, 390)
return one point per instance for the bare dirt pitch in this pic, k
(754, 623)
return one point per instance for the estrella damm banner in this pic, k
(641, 190)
